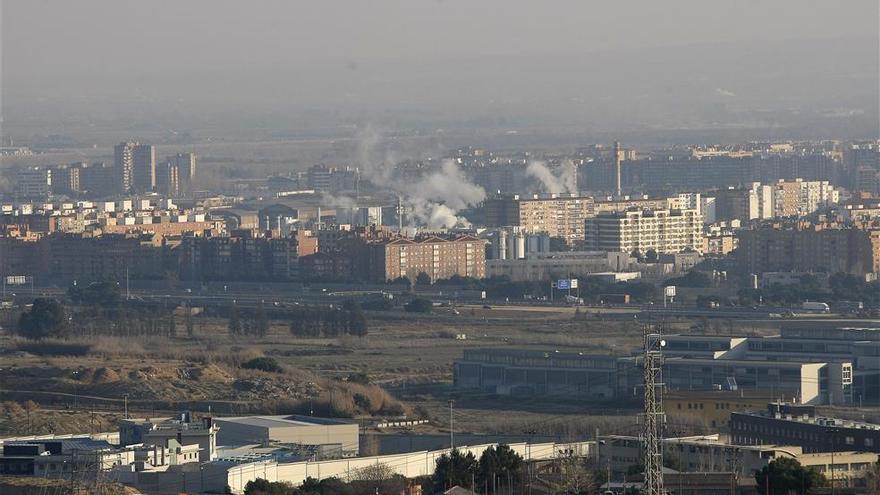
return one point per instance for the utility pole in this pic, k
(125, 404)
(451, 428)
(832, 432)
(653, 358)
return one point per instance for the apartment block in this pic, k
(798, 198)
(135, 166)
(33, 182)
(67, 179)
(557, 215)
(238, 258)
(663, 231)
(168, 178)
(804, 248)
(438, 257)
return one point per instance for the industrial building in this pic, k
(812, 364)
(559, 264)
(299, 430)
(529, 373)
(182, 430)
(712, 408)
(796, 424)
(709, 454)
(79, 458)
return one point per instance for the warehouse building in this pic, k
(528, 372)
(299, 430)
(796, 424)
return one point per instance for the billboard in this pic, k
(16, 280)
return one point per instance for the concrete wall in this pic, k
(410, 464)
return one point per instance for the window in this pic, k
(850, 441)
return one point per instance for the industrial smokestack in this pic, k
(617, 160)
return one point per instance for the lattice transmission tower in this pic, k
(654, 417)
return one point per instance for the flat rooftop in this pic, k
(813, 420)
(283, 421)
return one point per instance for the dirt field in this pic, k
(409, 355)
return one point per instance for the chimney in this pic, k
(617, 160)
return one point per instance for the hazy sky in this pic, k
(103, 37)
(73, 65)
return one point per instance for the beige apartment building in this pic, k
(797, 198)
(558, 215)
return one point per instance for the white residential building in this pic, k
(663, 231)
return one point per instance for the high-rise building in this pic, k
(319, 178)
(186, 168)
(863, 165)
(33, 182)
(67, 179)
(557, 215)
(99, 180)
(663, 231)
(798, 198)
(135, 166)
(168, 178)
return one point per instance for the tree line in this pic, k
(49, 318)
(329, 321)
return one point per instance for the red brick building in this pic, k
(437, 257)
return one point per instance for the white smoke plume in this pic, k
(434, 200)
(563, 180)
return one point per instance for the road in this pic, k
(300, 295)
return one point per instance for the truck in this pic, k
(815, 307)
(574, 301)
(614, 299)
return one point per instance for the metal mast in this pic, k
(654, 417)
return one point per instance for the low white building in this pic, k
(300, 430)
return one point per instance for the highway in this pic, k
(301, 295)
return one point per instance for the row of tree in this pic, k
(329, 321)
(308, 321)
(49, 318)
(257, 326)
(499, 469)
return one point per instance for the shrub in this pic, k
(418, 305)
(46, 318)
(378, 305)
(54, 348)
(263, 364)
